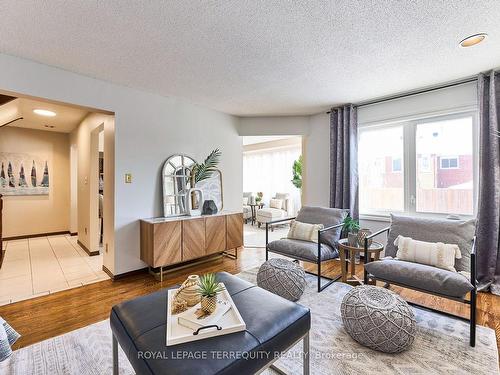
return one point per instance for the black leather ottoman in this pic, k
(273, 325)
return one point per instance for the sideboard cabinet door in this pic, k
(215, 234)
(161, 243)
(234, 236)
(193, 239)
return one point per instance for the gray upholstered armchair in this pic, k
(425, 278)
(326, 248)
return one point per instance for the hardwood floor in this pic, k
(48, 316)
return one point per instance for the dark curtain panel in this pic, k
(488, 217)
(344, 159)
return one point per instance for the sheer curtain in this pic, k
(270, 171)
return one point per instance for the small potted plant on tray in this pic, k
(209, 287)
(351, 227)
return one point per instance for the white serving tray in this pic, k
(177, 334)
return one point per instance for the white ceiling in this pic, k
(255, 139)
(67, 118)
(258, 57)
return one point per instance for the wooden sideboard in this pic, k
(170, 241)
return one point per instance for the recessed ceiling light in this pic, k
(473, 40)
(44, 112)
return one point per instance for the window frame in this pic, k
(400, 170)
(409, 162)
(449, 158)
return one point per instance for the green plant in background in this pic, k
(208, 286)
(350, 225)
(204, 170)
(259, 197)
(297, 173)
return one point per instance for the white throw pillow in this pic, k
(304, 231)
(245, 201)
(276, 203)
(438, 254)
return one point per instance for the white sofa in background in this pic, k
(276, 211)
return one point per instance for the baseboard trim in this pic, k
(110, 274)
(125, 274)
(90, 253)
(35, 235)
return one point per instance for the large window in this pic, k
(381, 177)
(423, 166)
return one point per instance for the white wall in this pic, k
(317, 162)
(148, 129)
(73, 172)
(37, 214)
(278, 125)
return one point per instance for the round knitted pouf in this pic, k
(378, 318)
(282, 277)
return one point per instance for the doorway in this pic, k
(271, 184)
(45, 178)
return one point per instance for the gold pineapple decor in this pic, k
(208, 287)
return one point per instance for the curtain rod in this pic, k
(416, 92)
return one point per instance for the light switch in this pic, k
(128, 178)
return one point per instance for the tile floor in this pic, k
(38, 266)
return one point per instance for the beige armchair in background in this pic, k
(280, 207)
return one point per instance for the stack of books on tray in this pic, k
(191, 319)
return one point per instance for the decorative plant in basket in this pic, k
(208, 287)
(351, 228)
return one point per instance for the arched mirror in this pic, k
(176, 176)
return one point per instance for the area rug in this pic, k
(441, 346)
(254, 236)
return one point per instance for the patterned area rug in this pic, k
(441, 346)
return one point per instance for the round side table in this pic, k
(347, 254)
